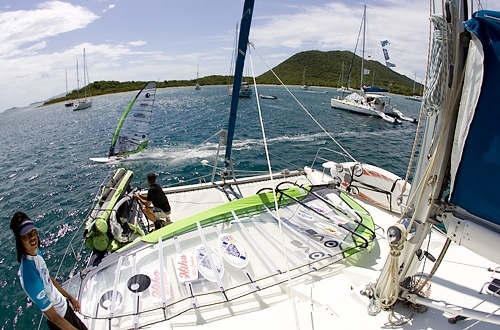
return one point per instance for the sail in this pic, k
(132, 132)
(476, 153)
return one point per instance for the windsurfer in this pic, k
(156, 206)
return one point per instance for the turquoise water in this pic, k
(47, 174)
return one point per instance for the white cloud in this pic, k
(30, 26)
(335, 26)
(109, 8)
(137, 43)
(37, 45)
(25, 64)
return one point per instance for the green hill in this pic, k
(325, 69)
(321, 69)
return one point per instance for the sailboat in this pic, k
(341, 81)
(86, 101)
(330, 244)
(370, 104)
(132, 131)
(415, 96)
(304, 85)
(374, 89)
(245, 90)
(197, 87)
(68, 103)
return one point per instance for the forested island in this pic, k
(323, 69)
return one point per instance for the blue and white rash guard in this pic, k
(35, 280)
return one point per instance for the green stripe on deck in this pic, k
(247, 205)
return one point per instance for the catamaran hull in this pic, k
(362, 109)
(352, 106)
(371, 183)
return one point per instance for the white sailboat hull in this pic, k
(82, 105)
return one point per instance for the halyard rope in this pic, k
(387, 286)
(264, 139)
(301, 105)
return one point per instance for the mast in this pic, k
(341, 81)
(66, 74)
(77, 81)
(246, 21)
(354, 55)
(363, 50)
(197, 86)
(414, 81)
(85, 74)
(436, 147)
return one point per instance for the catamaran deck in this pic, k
(328, 294)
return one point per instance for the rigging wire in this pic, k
(434, 100)
(421, 114)
(276, 206)
(302, 106)
(387, 286)
(73, 238)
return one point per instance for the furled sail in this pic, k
(476, 153)
(132, 132)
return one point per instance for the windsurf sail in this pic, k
(132, 132)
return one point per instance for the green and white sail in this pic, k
(132, 132)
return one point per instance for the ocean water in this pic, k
(47, 174)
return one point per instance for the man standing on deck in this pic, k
(156, 206)
(40, 287)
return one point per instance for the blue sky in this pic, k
(166, 39)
